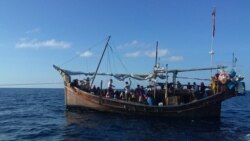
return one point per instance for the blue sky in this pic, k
(35, 34)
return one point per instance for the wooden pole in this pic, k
(100, 94)
(100, 60)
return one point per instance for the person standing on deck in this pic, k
(195, 90)
(195, 87)
(202, 87)
(127, 89)
(87, 84)
(110, 88)
(110, 84)
(189, 87)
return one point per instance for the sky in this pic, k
(35, 34)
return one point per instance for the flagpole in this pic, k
(212, 42)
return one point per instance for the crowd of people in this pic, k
(145, 94)
(140, 94)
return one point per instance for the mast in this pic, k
(212, 42)
(100, 61)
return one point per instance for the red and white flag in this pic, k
(213, 22)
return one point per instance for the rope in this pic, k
(77, 55)
(123, 65)
(119, 59)
(204, 79)
(23, 84)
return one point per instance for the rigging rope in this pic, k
(77, 55)
(23, 84)
(119, 59)
(113, 59)
(121, 62)
(204, 79)
(109, 67)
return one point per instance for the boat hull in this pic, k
(208, 107)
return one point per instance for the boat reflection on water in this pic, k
(92, 125)
(241, 89)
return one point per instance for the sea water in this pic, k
(40, 114)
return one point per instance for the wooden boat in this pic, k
(168, 100)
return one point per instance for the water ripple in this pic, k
(39, 114)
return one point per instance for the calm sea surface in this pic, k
(39, 114)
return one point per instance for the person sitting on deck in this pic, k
(189, 87)
(98, 91)
(170, 87)
(85, 84)
(116, 94)
(138, 90)
(133, 96)
(94, 90)
(122, 95)
(74, 83)
(179, 86)
(149, 99)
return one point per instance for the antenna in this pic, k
(234, 60)
(156, 54)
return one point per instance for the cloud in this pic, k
(142, 49)
(86, 54)
(133, 54)
(35, 30)
(52, 43)
(134, 44)
(161, 52)
(174, 58)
